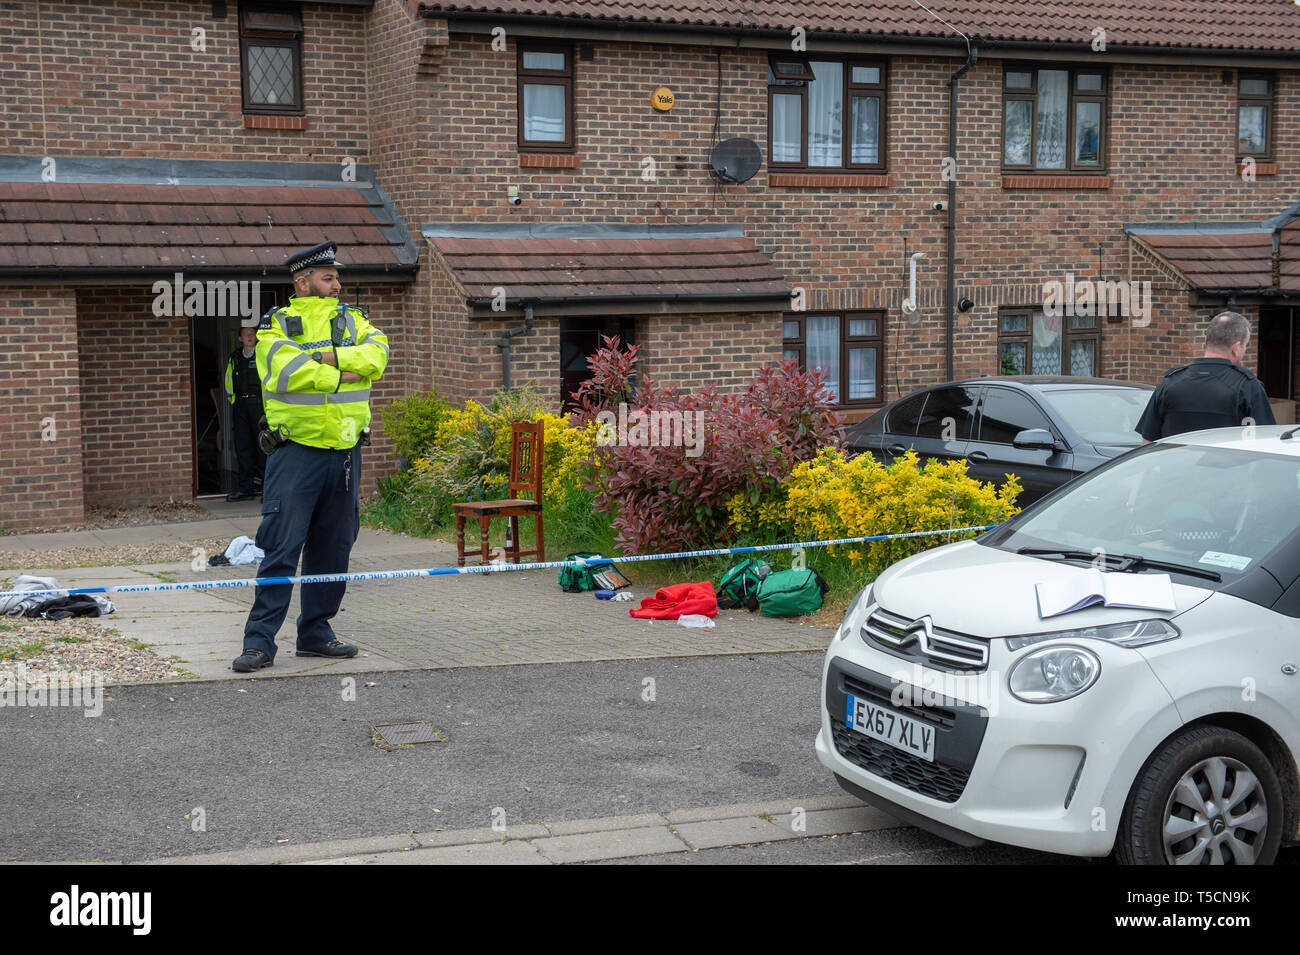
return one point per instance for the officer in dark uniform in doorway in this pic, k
(244, 390)
(1212, 392)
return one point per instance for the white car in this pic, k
(1164, 735)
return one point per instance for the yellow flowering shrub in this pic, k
(470, 456)
(832, 497)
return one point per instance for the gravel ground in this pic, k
(98, 517)
(127, 555)
(80, 645)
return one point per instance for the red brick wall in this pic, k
(387, 309)
(121, 79)
(136, 410)
(40, 431)
(1171, 156)
(692, 351)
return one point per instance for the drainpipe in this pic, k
(508, 334)
(972, 55)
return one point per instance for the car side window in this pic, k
(904, 416)
(1006, 413)
(948, 414)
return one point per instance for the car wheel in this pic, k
(1208, 797)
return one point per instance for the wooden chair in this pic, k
(526, 446)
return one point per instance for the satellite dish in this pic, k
(736, 160)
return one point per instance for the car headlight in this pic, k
(1138, 633)
(863, 599)
(1053, 673)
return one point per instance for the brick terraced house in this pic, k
(723, 184)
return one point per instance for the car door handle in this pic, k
(897, 449)
(977, 456)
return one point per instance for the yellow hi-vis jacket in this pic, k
(309, 397)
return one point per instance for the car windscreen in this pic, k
(1204, 508)
(1101, 415)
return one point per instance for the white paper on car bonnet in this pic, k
(1092, 587)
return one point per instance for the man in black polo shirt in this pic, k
(245, 393)
(1211, 392)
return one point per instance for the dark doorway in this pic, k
(579, 338)
(214, 459)
(1277, 358)
(216, 471)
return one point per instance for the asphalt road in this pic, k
(270, 760)
(291, 759)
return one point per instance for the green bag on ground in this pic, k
(789, 593)
(739, 585)
(574, 580)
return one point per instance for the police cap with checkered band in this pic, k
(317, 257)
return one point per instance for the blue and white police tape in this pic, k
(494, 568)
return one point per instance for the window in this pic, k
(1255, 115)
(906, 415)
(270, 51)
(1032, 343)
(1054, 119)
(545, 98)
(1006, 413)
(826, 113)
(848, 346)
(949, 413)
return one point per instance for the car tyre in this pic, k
(1208, 797)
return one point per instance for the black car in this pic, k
(1045, 430)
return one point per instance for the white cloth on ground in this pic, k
(17, 606)
(244, 550)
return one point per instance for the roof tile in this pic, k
(1183, 24)
(113, 226)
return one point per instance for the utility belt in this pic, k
(268, 438)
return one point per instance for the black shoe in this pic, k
(251, 660)
(239, 497)
(331, 649)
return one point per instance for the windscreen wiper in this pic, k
(1123, 562)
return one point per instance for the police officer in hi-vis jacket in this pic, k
(317, 358)
(244, 389)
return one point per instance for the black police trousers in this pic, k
(310, 506)
(246, 413)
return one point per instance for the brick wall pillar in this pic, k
(40, 431)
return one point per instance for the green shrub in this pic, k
(413, 422)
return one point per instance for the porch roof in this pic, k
(624, 268)
(108, 220)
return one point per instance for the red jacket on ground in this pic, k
(678, 601)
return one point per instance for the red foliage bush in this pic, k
(673, 495)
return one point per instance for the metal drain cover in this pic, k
(406, 734)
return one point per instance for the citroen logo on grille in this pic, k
(921, 629)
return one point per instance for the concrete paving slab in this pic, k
(608, 824)
(489, 853)
(616, 844)
(455, 837)
(835, 821)
(774, 809)
(744, 831)
(299, 853)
